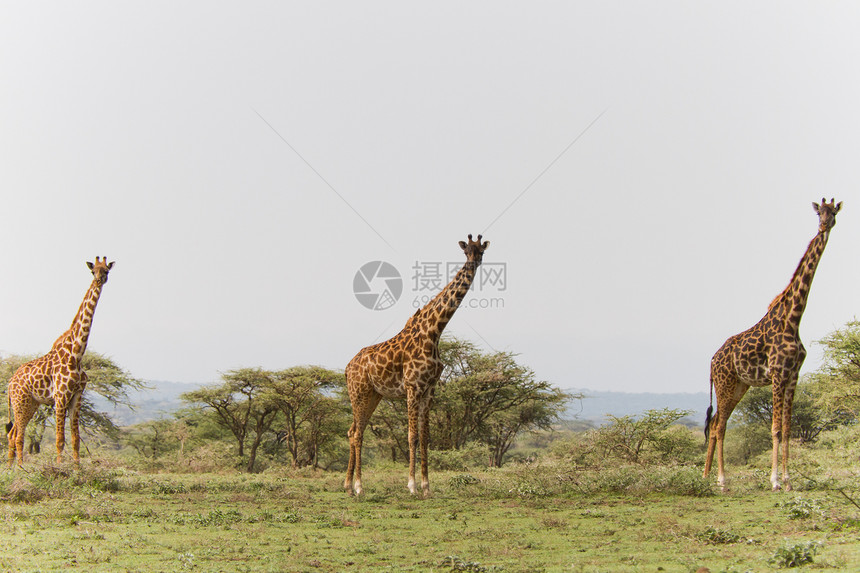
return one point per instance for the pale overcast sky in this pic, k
(241, 161)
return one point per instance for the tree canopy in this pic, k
(291, 407)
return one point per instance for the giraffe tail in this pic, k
(11, 422)
(709, 414)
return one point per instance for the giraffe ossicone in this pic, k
(406, 366)
(769, 353)
(56, 378)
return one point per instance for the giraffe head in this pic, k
(474, 249)
(100, 269)
(826, 214)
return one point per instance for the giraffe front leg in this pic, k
(413, 447)
(786, 432)
(786, 482)
(776, 434)
(412, 407)
(75, 430)
(721, 463)
(423, 441)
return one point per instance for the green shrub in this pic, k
(460, 481)
(801, 508)
(716, 536)
(795, 555)
(462, 460)
(454, 563)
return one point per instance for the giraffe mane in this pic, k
(781, 296)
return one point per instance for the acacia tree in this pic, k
(491, 398)
(836, 384)
(242, 405)
(149, 438)
(302, 395)
(104, 377)
(257, 405)
(538, 408)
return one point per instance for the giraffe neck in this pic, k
(792, 302)
(438, 312)
(75, 338)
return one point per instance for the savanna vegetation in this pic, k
(249, 476)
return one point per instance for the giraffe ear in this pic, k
(110, 265)
(90, 265)
(838, 206)
(815, 206)
(485, 245)
(463, 245)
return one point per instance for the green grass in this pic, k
(543, 517)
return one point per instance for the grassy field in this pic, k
(539, 517)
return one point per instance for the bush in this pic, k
(636, 479)
(577, 449)
(653, 436)
(800, 508)
(461, 481)
(467, 458)
(795, 555)
(745, 443)
(716, 536)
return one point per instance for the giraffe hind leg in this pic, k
(362, 409)
(711, 439)
(60, 416)
(11, 435)
(350, 468)
(22, 414)
(729, 391)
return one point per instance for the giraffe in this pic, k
(56, 378)
(407, 366)
(769, 353)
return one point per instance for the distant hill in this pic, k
(158, 401)
(163, 398)
(598, 403)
